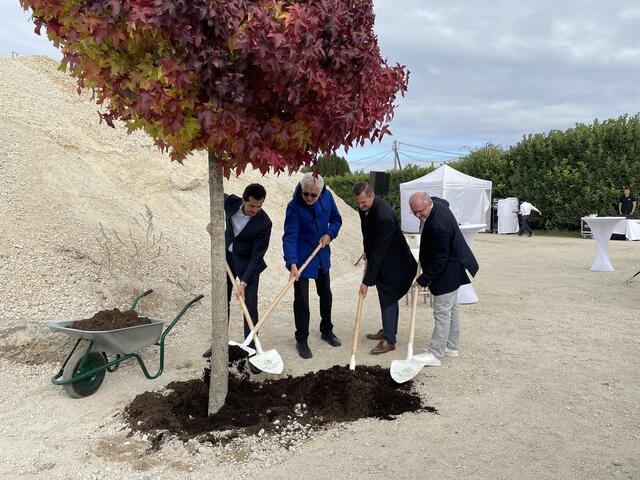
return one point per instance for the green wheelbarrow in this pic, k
(84, 369)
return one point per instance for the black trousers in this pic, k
(524, 225)
(301, 305)
(250, 298)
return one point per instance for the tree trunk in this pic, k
(219, 323)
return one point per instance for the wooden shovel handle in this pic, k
(278, 298)
(356, 328)
(247, 315)
(414, 308)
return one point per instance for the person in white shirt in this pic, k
(525, 212)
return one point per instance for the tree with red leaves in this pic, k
(271, 84)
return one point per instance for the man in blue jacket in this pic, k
(445, 259)
(312, 218)
(246, 239)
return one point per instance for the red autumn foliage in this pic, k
(266, 83)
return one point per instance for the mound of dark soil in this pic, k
(110, 320)
(334, 395)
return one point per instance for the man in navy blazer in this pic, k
(390, 263)
(246, 239)
(445, 259)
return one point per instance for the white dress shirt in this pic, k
(526, 207)
(238, 220)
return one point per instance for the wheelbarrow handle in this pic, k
(195, 299)
(134, 304)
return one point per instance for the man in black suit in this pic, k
(246, 239)
(445, 259)
(390, 263)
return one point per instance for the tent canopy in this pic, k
(469, 197)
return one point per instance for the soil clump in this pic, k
(111, 320)
(315, 399)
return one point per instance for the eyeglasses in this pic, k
(416, 212)
(309, 194)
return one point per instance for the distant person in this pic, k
(525, 212)
(312, 217)
(445, 259)
(627, 203)
(390, 264)
(246, 239)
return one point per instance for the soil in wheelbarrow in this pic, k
(110, 320)
(315, 399)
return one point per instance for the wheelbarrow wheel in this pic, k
(87, 386)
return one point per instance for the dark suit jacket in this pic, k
(390, 263)
(251, 243)
(444, 253)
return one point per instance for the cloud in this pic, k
(17, 35)
(484, 71)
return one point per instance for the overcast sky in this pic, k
(481, 72)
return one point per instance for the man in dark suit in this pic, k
(390, 263)
(246, 239)
(445, 259)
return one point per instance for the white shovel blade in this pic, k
(246, 348)
(404, 370)
(269, 361)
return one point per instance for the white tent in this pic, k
(469, 198)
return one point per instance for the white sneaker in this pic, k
(450, 353)
(428, 359)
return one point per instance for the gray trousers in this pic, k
(446, 331)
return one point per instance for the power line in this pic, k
(434, 155)
(424, 160)
(370, 156)
(376, 161)
(430, 149)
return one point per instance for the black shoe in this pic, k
(207, 354)
(331, 339)
(255, 370)
(303, 350)
(530, 234)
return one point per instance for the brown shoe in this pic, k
(379, 335)
(383, 347)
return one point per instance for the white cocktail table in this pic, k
(601, 229)
(466, 293)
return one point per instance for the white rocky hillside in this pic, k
(63, 175)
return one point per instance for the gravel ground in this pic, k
(546, 385)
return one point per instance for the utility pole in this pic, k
(396, 157)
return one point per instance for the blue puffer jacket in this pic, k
(304, 225)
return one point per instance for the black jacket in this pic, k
(251, 244)
(390, 263)
(444, 253)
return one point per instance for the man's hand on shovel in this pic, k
(240, 287)
(295, 275)
(363, 290)
(325, 240)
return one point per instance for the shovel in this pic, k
(629, 279)
(404, 370)
(269, 361)
(356, 330)
(247, 315)
(278, 298)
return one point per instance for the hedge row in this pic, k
(566, 174)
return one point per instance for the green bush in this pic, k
(343, 184)
(566, 174)
(332, 165)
